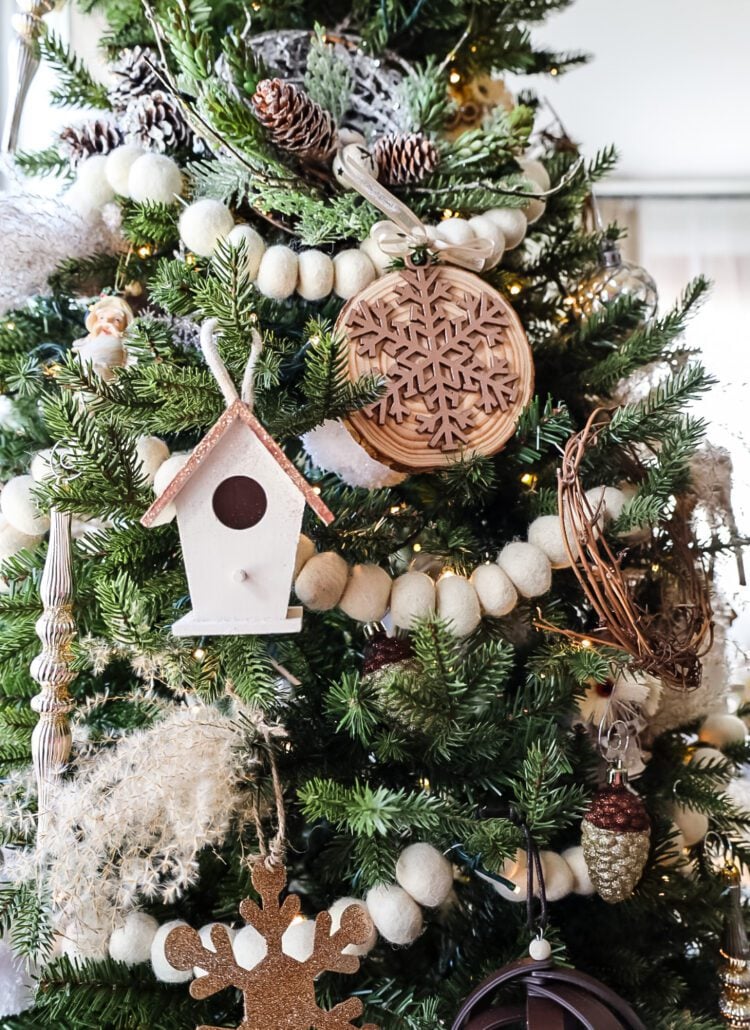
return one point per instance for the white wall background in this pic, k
(669, 84)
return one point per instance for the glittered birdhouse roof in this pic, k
(237, 410)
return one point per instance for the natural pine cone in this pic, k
(615, 835)
(404, 158)
(294, 121)
(96, 137)
(134, 77)
(156, 121)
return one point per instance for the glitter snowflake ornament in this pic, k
(279, 992)
(456, 363)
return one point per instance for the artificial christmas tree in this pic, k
(476, 617)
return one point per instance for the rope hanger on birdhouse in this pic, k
(210, 348)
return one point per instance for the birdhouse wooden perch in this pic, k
(239, 503)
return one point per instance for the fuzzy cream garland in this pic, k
(324, 581)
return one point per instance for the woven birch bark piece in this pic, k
(455, 358)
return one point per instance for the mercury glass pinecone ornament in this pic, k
(616, 278)
(734, 970)
(615, 835)
(294, 121)
(95, 137)
(384, 656)
(404, 157)
(156, 121)
(133, 76)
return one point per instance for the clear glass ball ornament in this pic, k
(616, 278)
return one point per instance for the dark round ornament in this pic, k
(555, 999)
(239, 502)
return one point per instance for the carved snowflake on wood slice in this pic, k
(455, 359)
(279, 992)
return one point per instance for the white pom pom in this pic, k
(10, 417)
(40, 468)
(162, 969)
(676, 851)
(86, 937)
(546, 534)
(513, 869)
(718, 729)
(131, 942)
(692, 825)
(497, 595)
(425, 874)
(534, 209)
(396, 915)
(305, 551)
(91, 179)
(298, 941)
(205, 935)
(485, 229)
(253, 250)
(352, 271)
(322, 581)
(162, 478)
(540, 949)
(358, 155)
(535, 171)
(709, 756)
(527, 567)
(118, 164)
(458, 604)
(151, 453)
(13, 540)
(577, 864)
(367, 593)
(16, 986)
(249, 947)
(606, 502)
(20, 507)
(412, 598)
(454, 230)
(336, 911)
(512, 223)
(315, 275)
(558, 876)
(277, 274)
(333, 449)
(379, 258)
(156, 178)
(203, 224)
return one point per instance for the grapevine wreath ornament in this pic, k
(455, 359)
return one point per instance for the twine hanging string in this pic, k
(209, 346)
(273, 853)
(669, 650)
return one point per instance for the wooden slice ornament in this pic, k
(455, 358)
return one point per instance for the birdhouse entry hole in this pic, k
(239, 502)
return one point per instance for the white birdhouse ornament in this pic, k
(239, 503)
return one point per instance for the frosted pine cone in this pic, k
(156, 121)
(294, 121)
(615, 835)
(134, 76)
(97, 137)
(404, 158)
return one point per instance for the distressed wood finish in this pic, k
(52, 668)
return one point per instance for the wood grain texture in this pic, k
(456, 362)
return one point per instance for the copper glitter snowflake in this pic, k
(279, 992)
(455, 360)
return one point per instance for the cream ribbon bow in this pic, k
(404, 232)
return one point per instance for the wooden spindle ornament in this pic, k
(53, 667)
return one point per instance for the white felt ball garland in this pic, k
(522, 570)
(131, 943)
